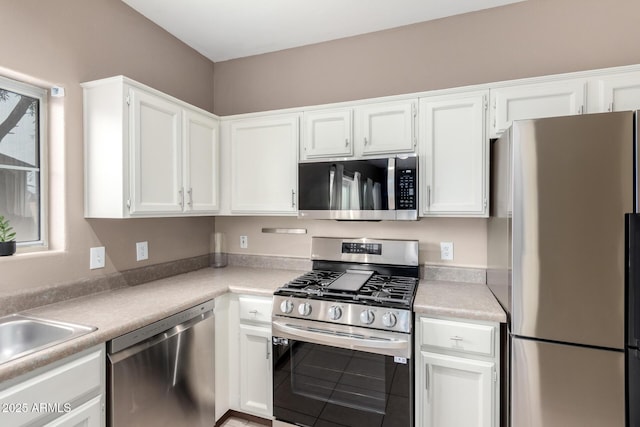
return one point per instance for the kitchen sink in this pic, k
(22, 335)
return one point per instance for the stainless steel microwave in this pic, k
(366, 189)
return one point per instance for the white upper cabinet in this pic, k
(327, 133)
(147, 154)
(201, 151)
(386, 128)
(533, 101)
(366, 130)
(264, 165)
(453, 155)
(156, 156)
(619, 92)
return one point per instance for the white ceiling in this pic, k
(227, 29)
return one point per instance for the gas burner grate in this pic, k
(392, 289)
(378, 290)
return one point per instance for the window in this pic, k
(22, 111)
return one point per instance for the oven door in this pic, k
(341, 375)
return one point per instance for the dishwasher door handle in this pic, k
(156, 339)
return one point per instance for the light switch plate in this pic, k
(96, 257)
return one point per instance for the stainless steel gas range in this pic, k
(342, 340)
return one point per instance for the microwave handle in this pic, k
(391, 183)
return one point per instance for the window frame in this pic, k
(41, 95)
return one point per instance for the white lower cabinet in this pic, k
(86, 415)
(457, 391)
(457, 381)
(256, 370)
(243, 355)
(69, 392)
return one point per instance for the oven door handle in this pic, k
(390, 344)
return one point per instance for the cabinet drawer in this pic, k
(57, 388)
(457, 336)
(255, 309)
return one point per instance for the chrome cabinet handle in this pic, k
(365, 141)
(428, 195)
(190, 193)
(181, 195)
(426, 377)
(293, 199)
(346, 142)
(254, 312)
(456, 338)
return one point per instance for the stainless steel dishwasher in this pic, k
(163, 374)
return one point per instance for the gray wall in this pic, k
(531, 38)
(527, 39)
(66, 42)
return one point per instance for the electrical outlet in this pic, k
(446, 251)
(96, 257)
(244, 242)
(142, 251)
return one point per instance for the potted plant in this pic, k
(7, 238)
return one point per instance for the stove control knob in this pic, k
(389, 320)
(367, 317)
(304, 309)
(335, 312)
(286, 306)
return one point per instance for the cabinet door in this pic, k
(454, 155)
(89, 414)
(620, 93)
(327, 133)
(256, 393)
(264, 165)
(156, 166)
(201, 162)
(386, 128)
(534, 101)
(454, 391)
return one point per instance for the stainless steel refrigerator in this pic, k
(557, 262)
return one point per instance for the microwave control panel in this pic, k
(406, 188)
